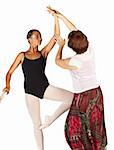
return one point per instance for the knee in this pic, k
(36, 127)
(68, 103)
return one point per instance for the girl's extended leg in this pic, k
(33, 106)
(57, 94)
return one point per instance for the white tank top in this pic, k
(83, 78)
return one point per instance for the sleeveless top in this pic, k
(35, 80)
(83, 78)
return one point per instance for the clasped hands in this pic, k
(53, 12)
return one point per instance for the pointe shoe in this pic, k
(46, 124)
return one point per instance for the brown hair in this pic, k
(78, 41)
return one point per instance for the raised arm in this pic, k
(45, 51)
(67, 22)
(15, 64)
(64, 63)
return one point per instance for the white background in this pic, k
(94, 18)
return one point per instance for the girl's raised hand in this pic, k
(53, 11)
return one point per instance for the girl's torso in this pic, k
(34, 74)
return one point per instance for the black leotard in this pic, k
(36, 81)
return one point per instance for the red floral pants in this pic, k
(85, 125)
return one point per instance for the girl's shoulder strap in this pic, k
(23, 57)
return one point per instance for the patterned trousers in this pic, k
(85, 125)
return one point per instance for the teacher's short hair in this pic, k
(78, 41)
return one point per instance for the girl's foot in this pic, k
(47, 123)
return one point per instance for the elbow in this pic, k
(57, 62)
(9, 73)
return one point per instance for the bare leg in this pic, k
(33, 106)
(57, 94)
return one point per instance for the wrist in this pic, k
(61, 46)
(8, 86)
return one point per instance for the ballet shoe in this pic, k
(46, 124)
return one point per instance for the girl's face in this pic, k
(35, 39)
